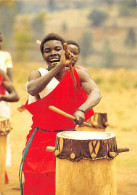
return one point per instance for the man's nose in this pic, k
(52, 52)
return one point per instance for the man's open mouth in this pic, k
(54, 61)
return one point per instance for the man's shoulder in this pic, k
(83, 74)
(34, 75)
(43, 71)
(82, 70)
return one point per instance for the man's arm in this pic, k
(8, 86)
(94, 95)
(10, 74)
(37, 83)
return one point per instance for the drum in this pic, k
(4, 130)
(98, 122)
(85, 163)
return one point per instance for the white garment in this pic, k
(5, 60)
(5, 63)
(51, 85)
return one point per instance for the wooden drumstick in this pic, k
(123, 149)
(106, 124)
(57, 110)
(50, 148)
(119, 150)
(70, 65)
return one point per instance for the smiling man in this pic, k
(53, 86)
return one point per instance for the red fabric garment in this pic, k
(64, 97)
(2, 90)
(34, 184)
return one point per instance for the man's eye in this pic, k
(58, 49)
(46, 51)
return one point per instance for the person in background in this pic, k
(12, 96)
(74, 48)
(5, 61)
(6, 66)
(53, 86)
(7, 85)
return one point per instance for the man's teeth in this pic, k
(54, 60)
(54, 63)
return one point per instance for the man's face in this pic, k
(52, 52)
(75, 51)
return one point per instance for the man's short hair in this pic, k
(49, 37)
(71, 42)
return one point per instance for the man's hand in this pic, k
(80, 117)
(67, 58)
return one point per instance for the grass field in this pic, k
(119, 101)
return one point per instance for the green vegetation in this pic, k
(8, 11)
(97, 17)
(131, 37)
(38, 25)
(86, 46)
(109, 56)
(23, 41)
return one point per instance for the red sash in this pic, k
(2, 90)
(64, 97)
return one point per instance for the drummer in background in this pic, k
(6, 85)
(74, 48)
(6, 65)
(53, 86)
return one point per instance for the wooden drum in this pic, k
(85, 164)
(4, 130)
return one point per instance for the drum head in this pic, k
(92, 145)
(86, 135)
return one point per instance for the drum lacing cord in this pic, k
(26, 151)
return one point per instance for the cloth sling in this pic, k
(2, 90)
